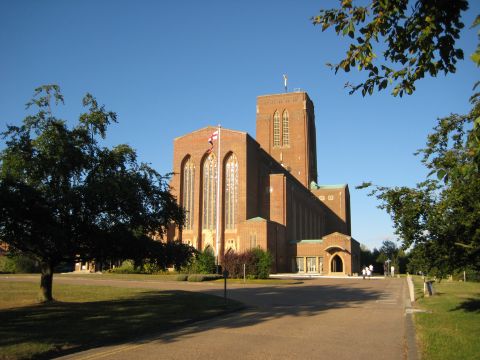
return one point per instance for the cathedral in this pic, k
(240, 193)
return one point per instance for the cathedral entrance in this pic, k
(311, 264)
(336, 264)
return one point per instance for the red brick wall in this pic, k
(337, 203)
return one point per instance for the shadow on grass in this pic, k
(72, 327)
(470, 305)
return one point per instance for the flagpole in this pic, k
(217, 228)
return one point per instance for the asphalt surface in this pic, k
(314, 319)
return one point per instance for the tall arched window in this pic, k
(285, 129)
(276, 129)
(209, 192)
(231, 192)
(188, 192)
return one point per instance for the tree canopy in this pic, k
(439, 219)
(397, 42)
(64, 197)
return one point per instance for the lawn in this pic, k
(88, 316)
(170, 277)
(450, 329)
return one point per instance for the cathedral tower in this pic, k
(286, 130)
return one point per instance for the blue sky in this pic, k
(171, 67)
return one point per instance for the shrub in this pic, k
(18, 264)
(127, 267)
(7, 265)
(181, 277)
(203, 277)
(264, 263)
(257, 263)
(151, 267)
(203, 263)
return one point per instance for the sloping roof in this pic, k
(212, 128)
(307, 241)
(256, 219)
(315, 186)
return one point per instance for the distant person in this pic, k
(369, 273)
(364, 272)
(385, 269)
(370, 267)
(392, 270)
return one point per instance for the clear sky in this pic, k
(170, 67)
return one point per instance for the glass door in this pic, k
(311, 264)
(300, 264)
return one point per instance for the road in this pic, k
(315, 319)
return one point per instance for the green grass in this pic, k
(87, 316)
(451, 327)
(113, 276)
(171, 277)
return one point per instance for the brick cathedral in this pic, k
(267, 192)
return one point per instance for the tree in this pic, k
(369, 257)
(439, 219)
(64, 197)
(415, 38)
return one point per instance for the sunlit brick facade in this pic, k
(268, 192)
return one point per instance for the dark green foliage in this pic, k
(263, 262)
(470, 275)
(18, 264)
(127, 267)
(370, 257)
(203, 263)
(397, 257)
(257, 262)
(179, 255)
(151, 257)
(397, 41)
(63, 196)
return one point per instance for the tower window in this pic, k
(276, 129)
(285, 129)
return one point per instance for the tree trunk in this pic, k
(46, 282)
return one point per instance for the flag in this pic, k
(285, 79)
(212, 137)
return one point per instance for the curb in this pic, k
(411, 351)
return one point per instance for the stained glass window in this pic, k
(188, 192)
(231, 192)
(209, 192)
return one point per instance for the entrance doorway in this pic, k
(311, 264)
(337, 264)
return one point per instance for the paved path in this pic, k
(317, 319)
